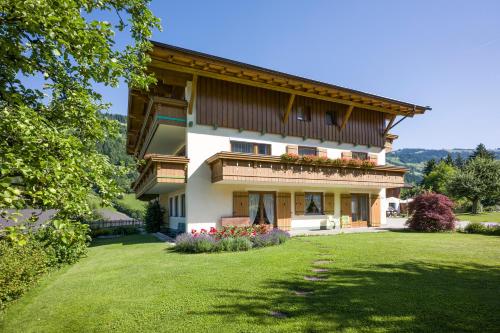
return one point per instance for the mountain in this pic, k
(414, 159)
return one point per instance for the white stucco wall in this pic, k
(206, 203)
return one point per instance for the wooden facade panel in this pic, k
(329, 203)
(234, 105)
(284, 211)
(345, 206)
(240, 204)
(375, 211)
(299, 203)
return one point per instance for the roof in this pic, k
(176, 58)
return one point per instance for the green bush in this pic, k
(241, 244)
(20, 267)
(138, 214)
(226, 244)
(475, 228)
(154, 216)
(67, 241)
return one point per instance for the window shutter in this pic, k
(329, 203)
(347, 154)
(240, 204)
(345, 206)
(299, 203)
(322, 152)
(375, 211)
(373, 158)
(292, 149)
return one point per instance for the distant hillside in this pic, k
(415, 158)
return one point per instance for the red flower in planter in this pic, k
(203, 231)
(193, 231)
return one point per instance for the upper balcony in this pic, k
(161, 173)
(237, 167)
(163, 128)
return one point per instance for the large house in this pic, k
(229, 143)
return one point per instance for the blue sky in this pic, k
(445, 54)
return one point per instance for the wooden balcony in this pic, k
(159, 111)
(160, 173)
(236, 167)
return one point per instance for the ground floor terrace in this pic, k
(372, 282)
(289, 207)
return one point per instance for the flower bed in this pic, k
(321, 160)
(229, 239)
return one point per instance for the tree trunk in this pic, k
(476, 206)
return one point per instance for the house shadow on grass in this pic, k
(125, 240)
(408, 297)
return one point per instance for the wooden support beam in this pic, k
(346, 118)
(192, 98)
(144, 122)
(389, 125)
(288, 107)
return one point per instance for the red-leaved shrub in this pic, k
(431, 212)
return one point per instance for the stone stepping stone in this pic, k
(302, 293)
(277, 314)
(322, 262)
(314, 278)
(320, 270)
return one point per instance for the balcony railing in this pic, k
(160, 169)
(237, 167)
(160, 110)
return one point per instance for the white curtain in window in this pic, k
(269, 206)
(253, 201)
(317, 202)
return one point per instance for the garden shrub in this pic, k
(153, 218)
(123, 231)
(431, 212)
(482, 228)
(138, 214)
(20, 267)
(229, 239)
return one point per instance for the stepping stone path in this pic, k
(322, 262)
(314, 278)
(277, 314)
(320, 270)
(302, 293)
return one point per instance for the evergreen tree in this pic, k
(429, 166)
(459, 162)
(482, 152)
(449, 160)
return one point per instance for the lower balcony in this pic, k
(249, 168)
(161, 173)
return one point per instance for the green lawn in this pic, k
(484, 217)
(378, 282)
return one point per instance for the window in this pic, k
(330, 118)
(313, 203)
(171, 206)
(250, 148)
(359, 207)
(308, 151)
(176, 206)
(356, 155)
(304, 113)
(183, 205)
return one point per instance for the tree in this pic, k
(431, 212)
(48, 134)
(449, 160)
(438, 179)
(482, 152)
(429, 166)
(459, 162)
(477, 181)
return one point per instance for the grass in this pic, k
(130, 201)
(378, 282)
(483, 217)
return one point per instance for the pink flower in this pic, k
(193, 231)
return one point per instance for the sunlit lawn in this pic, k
(380, 282)
(484, 217)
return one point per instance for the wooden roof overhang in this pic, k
(191, 64)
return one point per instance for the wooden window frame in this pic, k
(331, 118)
(306, 147)
(183, 205)
(304, 113)
(322, 210)
(255, 148)
(366, 156)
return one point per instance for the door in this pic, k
(359, 210)
(262, 207)
(345, 206)
(284, 211)
(375, 211)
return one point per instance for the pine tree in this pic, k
(481, 151)
(449, 160)
(459, 162)
(429, 166)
